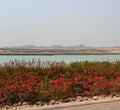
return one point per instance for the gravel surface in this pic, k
(103, 104)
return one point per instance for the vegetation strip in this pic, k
(56, 82)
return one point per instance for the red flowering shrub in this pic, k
(28, 82)
(60, 87)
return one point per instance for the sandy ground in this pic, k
(101, 104)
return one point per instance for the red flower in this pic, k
(118, 79)
(2, 100)
(69, 83)
(0, 92)
(40, 84)
(87, 93)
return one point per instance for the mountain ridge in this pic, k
(49, 47)
(58, 50)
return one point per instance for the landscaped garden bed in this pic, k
(51, 82)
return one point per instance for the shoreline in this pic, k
(65, 54)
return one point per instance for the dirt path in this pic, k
(100, 106)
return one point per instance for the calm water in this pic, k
(65, 58)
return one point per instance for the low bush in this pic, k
(34, 81)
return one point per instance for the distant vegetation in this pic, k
(34, 81)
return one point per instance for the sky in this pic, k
(59, 22)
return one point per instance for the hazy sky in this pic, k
(59, 22)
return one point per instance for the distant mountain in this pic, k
(50, 47)
(79, 47)
(116, 47)
(57, 50)
(24, 47)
